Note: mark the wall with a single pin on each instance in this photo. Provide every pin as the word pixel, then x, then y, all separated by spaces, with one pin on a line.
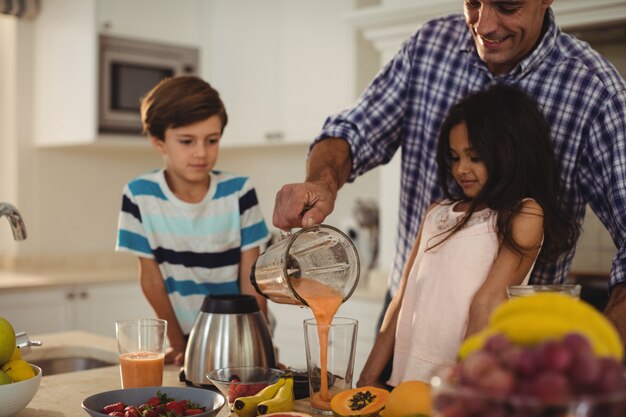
pixel 70 196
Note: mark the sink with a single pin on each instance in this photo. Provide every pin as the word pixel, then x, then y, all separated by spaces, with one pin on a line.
pixel 54 366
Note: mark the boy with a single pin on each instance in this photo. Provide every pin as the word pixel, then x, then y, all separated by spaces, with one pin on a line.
pixel 196 230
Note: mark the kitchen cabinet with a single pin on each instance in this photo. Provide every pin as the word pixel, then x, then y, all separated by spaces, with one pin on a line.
pixel 289 332
pixel 89 307
pixel 281 67
pixel 65 51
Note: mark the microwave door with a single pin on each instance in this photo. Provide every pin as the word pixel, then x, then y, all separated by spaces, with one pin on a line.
pixel 125 79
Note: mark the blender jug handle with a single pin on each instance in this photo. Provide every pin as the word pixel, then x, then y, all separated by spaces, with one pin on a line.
pixel 253 280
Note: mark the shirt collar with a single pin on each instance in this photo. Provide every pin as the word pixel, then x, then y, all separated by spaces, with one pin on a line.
pixel 539 54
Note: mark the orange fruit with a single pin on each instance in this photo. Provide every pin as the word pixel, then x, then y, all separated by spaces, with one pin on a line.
pixel 409 398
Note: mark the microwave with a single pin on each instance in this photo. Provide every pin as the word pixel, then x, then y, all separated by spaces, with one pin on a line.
pixel 128 69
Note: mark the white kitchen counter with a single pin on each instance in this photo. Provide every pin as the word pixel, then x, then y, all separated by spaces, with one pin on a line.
pixel 61 395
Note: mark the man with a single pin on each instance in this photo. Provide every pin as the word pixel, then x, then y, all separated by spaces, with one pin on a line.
pixel 502 41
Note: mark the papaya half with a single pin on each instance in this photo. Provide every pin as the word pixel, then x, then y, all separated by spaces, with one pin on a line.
pixel 359 402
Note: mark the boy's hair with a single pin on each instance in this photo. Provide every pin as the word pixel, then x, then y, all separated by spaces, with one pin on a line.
pixel 179 101
pixel 511 137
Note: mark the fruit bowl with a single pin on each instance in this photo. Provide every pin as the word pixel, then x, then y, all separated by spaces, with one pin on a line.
pixel 243 381
pixel 16 396
pixel 452 400
pixel 212 401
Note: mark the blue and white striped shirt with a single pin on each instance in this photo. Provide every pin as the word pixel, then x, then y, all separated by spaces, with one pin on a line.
pixel 581 95
pixel 197 245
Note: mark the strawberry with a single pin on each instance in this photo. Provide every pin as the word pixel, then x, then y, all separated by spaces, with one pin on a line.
pixel 153 402
pixel 193 411
pixel 108 409
pixel 131 411
pixel 116 414
pixel 176 407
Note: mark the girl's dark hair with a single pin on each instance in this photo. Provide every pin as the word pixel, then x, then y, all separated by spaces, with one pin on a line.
pixel 511 137
pixel 179 101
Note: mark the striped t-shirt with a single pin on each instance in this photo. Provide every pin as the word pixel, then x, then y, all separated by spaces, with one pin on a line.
pixel 196 245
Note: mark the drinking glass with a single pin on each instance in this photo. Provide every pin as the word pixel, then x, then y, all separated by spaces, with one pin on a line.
pixel 522 290
pixel 330 350
pixel 140 344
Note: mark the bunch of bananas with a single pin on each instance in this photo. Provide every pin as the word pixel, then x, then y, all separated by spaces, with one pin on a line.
pixel 531 319
pixel 274 398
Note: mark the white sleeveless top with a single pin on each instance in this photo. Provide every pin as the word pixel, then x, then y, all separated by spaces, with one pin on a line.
pixel 440 287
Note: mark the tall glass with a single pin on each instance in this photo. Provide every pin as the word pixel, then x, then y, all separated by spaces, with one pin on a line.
pixel 140 344
pixel 330 353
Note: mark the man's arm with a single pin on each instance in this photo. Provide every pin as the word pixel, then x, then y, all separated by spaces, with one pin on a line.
pixel 616 308
pixel 328 168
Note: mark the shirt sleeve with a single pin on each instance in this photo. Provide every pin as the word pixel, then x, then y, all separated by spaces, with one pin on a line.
pixel 373 126
pixel 254 231
pixel 603 176
pixel 131 235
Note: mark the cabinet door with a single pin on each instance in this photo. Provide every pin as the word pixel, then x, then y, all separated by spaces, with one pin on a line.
pixel 99 306
pixel 366 311
pixel 289 334
pixel 316 65
pixel 244 47
pixel 38 310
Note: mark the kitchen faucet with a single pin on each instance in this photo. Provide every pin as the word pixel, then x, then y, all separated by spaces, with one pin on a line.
pixel 15 219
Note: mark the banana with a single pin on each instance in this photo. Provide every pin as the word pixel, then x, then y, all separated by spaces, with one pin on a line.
pixel 282 401
pixel 530 320
pixel 246 406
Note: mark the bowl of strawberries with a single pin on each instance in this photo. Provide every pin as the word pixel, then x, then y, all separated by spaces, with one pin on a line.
pixel 154 402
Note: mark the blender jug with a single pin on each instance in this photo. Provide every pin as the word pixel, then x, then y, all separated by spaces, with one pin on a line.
pixel 321 252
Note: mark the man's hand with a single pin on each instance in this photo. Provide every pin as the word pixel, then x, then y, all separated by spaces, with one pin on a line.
pixel 310 202
pixel 302 205
pixel 616 309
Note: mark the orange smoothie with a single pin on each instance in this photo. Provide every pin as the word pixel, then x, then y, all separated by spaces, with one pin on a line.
pixel 141 369
pixel 324 302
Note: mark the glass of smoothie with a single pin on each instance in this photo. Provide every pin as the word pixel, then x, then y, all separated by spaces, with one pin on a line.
pixel 140 344
pixel 330 350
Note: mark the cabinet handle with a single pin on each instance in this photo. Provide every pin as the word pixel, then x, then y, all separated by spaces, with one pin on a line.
pixel 274 136
pixel 84 295
pixel 70 296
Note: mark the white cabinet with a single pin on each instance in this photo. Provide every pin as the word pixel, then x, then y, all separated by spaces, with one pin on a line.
pixel 176 22
pixel 289 331
pixel 65 50
pixel 89 307
pixel 281 67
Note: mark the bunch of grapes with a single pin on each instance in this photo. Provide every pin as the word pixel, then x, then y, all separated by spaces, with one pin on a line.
pixel 549 379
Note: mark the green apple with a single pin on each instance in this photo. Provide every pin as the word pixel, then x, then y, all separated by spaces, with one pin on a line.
pixel 7 340
pixel 4 379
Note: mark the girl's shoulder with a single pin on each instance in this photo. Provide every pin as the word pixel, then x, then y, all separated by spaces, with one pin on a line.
pixel 530 207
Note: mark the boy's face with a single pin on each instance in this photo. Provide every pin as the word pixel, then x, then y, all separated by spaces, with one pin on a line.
pixel 190 152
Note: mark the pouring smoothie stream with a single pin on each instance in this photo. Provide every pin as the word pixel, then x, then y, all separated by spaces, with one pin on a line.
pixel 324 302
pixel 318 267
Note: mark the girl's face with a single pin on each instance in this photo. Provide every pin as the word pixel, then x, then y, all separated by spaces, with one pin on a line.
pixel 467 169
pixel 190 153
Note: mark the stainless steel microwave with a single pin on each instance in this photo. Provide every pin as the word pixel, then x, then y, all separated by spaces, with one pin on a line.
pixel 128 69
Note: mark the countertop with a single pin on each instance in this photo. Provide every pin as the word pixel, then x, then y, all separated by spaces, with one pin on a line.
pixel 371 286
pixel 61 395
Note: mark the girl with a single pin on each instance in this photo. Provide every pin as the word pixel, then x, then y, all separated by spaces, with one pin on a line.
pixel 501 183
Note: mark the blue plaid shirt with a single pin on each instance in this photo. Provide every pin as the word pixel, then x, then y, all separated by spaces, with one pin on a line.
pixel 582 96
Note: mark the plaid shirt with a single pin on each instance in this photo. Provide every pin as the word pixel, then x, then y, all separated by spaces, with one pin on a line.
pixel 582 96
